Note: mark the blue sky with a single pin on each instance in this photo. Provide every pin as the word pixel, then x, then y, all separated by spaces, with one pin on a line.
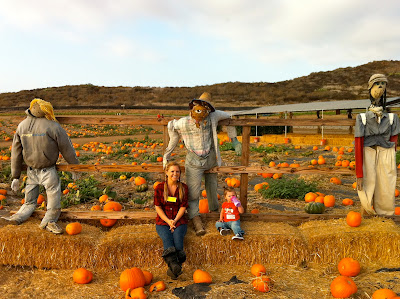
pixel 187 43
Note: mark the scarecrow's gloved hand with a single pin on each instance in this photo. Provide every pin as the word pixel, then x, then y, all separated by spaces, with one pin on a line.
pixel 76 176
pixel 164 163
pixel 236 201
pixel 237 146
pixel 15 185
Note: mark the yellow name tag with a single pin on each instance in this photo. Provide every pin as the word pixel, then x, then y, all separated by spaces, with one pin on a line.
pixel 171 199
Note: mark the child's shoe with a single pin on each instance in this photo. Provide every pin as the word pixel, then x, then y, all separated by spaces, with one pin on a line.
pixel 238 237
pixel 224 231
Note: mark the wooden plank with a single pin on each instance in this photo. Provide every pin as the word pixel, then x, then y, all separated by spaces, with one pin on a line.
pixel 139 215
pixel 147 121
pixel 221 169
pixel 244 177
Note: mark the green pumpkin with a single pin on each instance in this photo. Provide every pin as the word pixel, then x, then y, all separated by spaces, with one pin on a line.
pixel 314 208
pixel 142 188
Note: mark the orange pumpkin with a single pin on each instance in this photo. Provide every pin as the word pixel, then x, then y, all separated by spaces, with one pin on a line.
pixel 349 267
pixel 310 196
pixel 156 184
pixel 95 208
pixel 255 211
pixel 131 278
pixel 103 198
pixel 73 228
pixel 258 270
pixel 329 201
pixel 397 210
pixel 235 183
pixel 82 276
pixel 157 287
pixel 204 193
pixel 112 206
pixel 148 277
pixel 336 181
pixel 272 164
pixel 396 193
pixel 140 181
pixel 267 175
pixel 347 202
pixel 353 219
pixel 40 199
pixel 343 287
pixel 200 276
pixel 137 293
pixel 320 199
pixel 3 192
pixel 383 294
pixel 203 206
pixel 108 222
pixel 262 284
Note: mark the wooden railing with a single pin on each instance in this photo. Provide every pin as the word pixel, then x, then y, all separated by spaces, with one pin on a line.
pixel 244 169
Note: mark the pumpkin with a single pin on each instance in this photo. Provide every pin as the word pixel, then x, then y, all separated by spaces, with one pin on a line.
pixel 353 219
pixel 103 198
pixel 262 284
pixel 148 276
pixel 349 267
pixel 112 206
pixel 158 286
pixel 347 202
pixel 329 201
pixel 73 228
pixel 137 293
pixel 234 183
pixel 310 196
pixel 397 210
pixel 383 294
pixel 95 208
pixel 142 188
pixel 320 199
pixel 156 184
pixel 336 181
pixel 204 193
pixel 140 181
pixel 82 276
pixel 40 199
pixel 108 222
pixel 343 287
pixel 267 175
pixel 255 211
pixel 3 191
pixel 200 276
pixel 131 278
pixel 258 270
pixel 314 208
pixel 203 206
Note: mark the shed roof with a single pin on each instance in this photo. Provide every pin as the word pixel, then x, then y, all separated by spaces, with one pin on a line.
pixel 315 106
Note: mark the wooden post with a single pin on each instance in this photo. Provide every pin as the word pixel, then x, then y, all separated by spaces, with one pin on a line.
pixel 244 177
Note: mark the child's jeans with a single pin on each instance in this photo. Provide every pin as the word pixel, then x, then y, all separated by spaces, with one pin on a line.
pixel 233 225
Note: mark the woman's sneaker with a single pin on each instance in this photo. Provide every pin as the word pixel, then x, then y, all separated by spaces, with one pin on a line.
pixel 224 231
pixel 238 237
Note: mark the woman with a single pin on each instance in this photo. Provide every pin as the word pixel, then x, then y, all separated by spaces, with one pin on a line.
pixel 171 201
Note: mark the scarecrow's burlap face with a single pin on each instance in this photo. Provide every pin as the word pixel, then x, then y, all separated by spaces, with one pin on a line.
pixel 378 89
pixel 199 113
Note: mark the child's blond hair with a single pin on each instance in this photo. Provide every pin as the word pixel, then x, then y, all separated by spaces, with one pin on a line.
pixel 229 189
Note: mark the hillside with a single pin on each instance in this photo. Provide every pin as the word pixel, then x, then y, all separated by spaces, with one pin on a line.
pixel 340 84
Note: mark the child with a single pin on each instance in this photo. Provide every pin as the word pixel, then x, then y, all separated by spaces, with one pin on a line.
pixel 229 218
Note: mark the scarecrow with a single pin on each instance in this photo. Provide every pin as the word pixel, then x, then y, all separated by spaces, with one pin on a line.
pixel 38 141
pixel 376 135
pixel 199 134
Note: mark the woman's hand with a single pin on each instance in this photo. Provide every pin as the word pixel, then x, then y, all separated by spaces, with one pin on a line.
pixel 171 224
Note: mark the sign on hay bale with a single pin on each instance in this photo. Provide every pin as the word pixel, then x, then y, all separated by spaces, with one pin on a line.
pixel 28 245
pixel 375 242
pixel 267 243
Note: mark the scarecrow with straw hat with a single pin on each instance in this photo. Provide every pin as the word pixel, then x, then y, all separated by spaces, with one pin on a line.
pixel 199 133
pixel 38 141
pixel 376 135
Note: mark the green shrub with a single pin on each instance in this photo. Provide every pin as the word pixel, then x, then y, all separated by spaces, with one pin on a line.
pixel 288 188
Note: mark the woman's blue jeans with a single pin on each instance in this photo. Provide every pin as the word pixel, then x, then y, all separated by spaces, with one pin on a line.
pixel 170 239
pixel 233 225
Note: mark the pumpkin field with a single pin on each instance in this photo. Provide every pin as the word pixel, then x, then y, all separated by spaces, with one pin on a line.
pixel 320 246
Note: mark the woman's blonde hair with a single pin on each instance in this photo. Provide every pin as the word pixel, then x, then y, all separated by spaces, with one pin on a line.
pixel 180 185
pixel 46 107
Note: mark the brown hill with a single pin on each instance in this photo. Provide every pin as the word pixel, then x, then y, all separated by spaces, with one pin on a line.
pixel 340 84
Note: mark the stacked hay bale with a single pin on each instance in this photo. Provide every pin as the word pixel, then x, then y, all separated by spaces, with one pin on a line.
pixel 266 243
pixel 129 246
pixel 375 242
pixel 28 245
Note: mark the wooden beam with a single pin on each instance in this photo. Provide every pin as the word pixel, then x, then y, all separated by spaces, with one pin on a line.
pixel 151 215
pixel 244 177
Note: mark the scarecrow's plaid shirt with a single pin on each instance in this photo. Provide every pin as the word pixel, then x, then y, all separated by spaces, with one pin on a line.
pixel 170 208
pixel 197 140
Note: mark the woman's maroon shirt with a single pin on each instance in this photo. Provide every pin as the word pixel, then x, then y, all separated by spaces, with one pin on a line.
pixel 170 208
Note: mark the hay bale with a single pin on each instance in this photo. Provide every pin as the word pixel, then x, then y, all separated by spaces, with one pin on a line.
pixel 129 246
pixel 266 243
pixel 375 242
pixel 28 245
